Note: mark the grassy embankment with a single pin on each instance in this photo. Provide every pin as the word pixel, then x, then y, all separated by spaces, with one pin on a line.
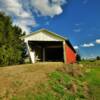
pixel 93 78
pixel 51 81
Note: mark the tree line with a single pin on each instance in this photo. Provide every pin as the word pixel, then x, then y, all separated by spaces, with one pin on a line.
pixel 11 46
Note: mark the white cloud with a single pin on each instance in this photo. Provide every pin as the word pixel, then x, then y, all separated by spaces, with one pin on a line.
pixel 13 7
pixel 47 8
pixel 85 2
pixel 77 24
pixel 76 47
pixel 77 30
pixel 98 41
pixel 25 24
pixel 22 10
pixel 22 18
pixel 88 45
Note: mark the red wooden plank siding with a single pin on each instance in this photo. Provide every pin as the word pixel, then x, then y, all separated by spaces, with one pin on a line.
pixel 70 55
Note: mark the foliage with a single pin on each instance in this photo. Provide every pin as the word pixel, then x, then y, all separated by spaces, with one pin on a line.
pixel 97 58
pixel 11 47
pixel 78 57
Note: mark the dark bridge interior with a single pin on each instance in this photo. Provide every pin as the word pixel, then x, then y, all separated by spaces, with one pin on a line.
pixel 48 50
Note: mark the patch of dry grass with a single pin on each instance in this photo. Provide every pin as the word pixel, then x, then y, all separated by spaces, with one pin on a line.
pixel 16 79
pixel 50 81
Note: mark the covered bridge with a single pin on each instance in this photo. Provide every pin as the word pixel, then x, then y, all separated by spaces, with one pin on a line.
pixel 46 46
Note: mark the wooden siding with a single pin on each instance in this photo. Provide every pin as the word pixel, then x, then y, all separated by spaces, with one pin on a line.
pixel 42 36
pixel 70 55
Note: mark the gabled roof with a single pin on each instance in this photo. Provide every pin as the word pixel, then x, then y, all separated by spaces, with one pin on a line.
pixel 46 31
pixel 52 33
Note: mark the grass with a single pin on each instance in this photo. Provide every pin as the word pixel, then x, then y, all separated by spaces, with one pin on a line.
pixel 93 78
pixel 51 81
pixel 22 82
pixel 67 87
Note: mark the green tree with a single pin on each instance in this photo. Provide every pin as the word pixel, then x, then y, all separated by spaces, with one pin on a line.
pixel 11 46
pixel 97 58
pixel 78 57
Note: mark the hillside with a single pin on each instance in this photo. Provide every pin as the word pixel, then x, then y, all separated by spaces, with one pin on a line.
pixel 16 79
pixel 50 81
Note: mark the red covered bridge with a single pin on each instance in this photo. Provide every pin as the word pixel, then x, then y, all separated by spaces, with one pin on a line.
pixel 47 46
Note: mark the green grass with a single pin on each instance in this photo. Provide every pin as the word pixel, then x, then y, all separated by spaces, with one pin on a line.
pixel 93 78
pixel 45 96
pixel 60 83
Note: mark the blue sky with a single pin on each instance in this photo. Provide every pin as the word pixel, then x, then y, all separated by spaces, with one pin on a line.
pixel 78 20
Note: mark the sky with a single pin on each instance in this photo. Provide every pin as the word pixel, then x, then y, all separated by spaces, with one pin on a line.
pixel 77 20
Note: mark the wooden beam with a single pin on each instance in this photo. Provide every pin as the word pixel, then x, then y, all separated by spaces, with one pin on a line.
pixel 31 53
pixel 43 54
pixel 53 46
pixel 28 49
pixel 64 52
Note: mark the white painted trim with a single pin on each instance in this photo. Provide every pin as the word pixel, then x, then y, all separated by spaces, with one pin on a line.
pixel 64 51
pixel 31 53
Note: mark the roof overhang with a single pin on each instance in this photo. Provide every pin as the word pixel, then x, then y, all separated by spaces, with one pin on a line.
pixel 46 31
pixel 51 33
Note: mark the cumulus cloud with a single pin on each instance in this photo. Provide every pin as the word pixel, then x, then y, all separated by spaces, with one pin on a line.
pixel 87 45
pixel 76 47
pixel 48 7
pixel 22 10
pixel 25 24
pixel 21 17
pixel 98 41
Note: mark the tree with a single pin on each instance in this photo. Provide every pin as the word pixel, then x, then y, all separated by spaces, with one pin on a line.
pixel 97 58
pixel 78 57
pixel 11 46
